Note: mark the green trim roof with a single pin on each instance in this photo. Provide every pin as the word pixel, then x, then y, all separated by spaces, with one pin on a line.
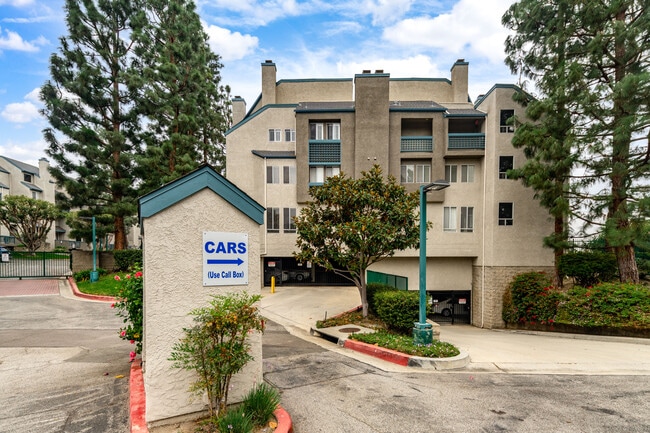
pixel 257 113
pixel 201 178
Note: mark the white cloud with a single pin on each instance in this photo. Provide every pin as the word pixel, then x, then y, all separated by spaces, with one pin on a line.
pixel 254 12
pixel 230 45
pixel 34 96
pixel 13 41
pixel 342 27
pixel 415 66
pixel 385 11
pixel 470 28
pixel 16 3
pixel 20 112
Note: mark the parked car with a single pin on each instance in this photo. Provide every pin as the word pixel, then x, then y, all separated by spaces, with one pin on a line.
pixel 5 254
pixel 445 306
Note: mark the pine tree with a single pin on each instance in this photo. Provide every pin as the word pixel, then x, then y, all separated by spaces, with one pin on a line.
pixel 603 83
pixel 90 112
pixel 177 82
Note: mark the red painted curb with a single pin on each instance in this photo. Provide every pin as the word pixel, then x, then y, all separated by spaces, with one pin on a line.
pixel 378 352
pixel 137 402
pixel 137 399
pixel 284 421
pixel 77 293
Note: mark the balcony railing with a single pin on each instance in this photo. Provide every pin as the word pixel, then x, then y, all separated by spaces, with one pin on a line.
pixel 416 144
pixel 466 141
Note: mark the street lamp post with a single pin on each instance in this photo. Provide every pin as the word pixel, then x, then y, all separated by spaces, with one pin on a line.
pixel 423 331
pixel 94 274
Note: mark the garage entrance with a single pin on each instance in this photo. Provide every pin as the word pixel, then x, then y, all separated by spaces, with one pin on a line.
pixel 450 307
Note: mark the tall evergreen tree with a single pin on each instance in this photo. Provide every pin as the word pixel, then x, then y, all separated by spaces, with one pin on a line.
pixel 178 92
pixel 603 82
pixel 90 112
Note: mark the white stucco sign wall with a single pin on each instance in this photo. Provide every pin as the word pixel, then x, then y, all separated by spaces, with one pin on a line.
pixel 225 259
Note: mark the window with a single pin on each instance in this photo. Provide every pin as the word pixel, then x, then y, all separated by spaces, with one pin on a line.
pixel 275 135
pixel 27 177
pixel 273 220
pixel 272 174
pixel 289 174
pixel 35 195
pixel 289 135
pixel 505 214
pixel 415 173
pixel 505 124
pixel 325 131
pixel 318 174
pixel 451 173
pixel 449 219
pixel 505 163
pixel 466 219
pixel 467 173
pixel 289 215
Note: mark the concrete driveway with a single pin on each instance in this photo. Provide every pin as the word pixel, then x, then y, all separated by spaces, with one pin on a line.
pixel 63 367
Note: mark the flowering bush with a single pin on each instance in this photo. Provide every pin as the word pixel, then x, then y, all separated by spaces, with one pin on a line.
pixel 129 307
pixel 530 298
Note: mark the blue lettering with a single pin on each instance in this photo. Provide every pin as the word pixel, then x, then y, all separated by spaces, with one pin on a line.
pixel 238 274
pixel 209 247
pixel 232 248
pixel 221 248
pixel 241 247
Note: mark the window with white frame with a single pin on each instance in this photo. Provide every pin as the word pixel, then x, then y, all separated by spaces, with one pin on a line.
pixel 505 214
pixel 272 174
pixel 505 124
pixel 505 163
pixel 273 219
pixel 449 219
pixel 289 223
pixel 451 173
pixel 325 131
pixel 467 173
pixel 289 174
pixel 412 172
pixel 275 135
pixel 318 173
pixel 289 135
pixel 466 219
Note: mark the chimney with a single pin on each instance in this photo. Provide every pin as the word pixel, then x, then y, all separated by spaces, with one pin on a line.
pixel 268 82
pixel 459 81
pixel 238 109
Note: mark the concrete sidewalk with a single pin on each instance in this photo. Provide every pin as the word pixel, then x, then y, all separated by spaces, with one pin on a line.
pixel 504 351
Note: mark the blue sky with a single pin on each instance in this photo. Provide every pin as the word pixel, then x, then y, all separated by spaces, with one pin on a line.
pixel 306 39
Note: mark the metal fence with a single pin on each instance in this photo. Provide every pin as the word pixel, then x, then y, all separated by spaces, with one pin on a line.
pixel 451 307
pixel 19 264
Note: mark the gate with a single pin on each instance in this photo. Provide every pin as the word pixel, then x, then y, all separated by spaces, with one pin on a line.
pixel 20 264
pixel 451 307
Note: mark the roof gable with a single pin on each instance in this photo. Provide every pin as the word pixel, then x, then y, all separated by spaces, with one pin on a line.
pixel 201 178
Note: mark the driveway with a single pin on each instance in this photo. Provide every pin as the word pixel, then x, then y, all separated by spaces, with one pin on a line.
pixel 63 367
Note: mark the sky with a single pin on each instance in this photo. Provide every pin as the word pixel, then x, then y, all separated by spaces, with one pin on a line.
pixel 304 38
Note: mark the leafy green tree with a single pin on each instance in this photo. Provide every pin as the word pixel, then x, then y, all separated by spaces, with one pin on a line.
pixel 176 80
pixel 604 76
pixel 80 224
pixel 90 112
pixel 352 223
pixel 28 220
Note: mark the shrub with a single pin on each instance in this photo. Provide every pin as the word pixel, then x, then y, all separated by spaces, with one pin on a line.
pixel 611 305
pixel 588 268
pixel 260 403
pixel 235 421
pixel 129 307
pixel 85 274
pixel 399 309
pixel 60 249
pixel 216 347
pixel 371 290
pixel 530 298
pixel 126 260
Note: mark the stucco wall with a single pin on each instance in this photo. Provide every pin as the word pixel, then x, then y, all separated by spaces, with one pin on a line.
pixel 173 286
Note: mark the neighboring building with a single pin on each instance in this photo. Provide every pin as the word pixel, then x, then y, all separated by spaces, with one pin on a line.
pixel 486 228
pixel 19 178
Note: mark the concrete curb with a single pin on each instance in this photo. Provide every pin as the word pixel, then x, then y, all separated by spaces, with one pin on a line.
pixel 451 363
pixel 77 293
pixel 137 400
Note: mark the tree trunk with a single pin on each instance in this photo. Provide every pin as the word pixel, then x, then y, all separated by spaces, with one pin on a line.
pixel 364 294
pixel 120 234
pixel 627 268
pixel 558 251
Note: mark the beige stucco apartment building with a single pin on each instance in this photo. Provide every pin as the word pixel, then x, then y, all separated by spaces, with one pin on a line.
pixel 485 227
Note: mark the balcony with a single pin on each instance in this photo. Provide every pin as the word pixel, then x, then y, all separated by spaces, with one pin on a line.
pixel 469 141
pixel 416 144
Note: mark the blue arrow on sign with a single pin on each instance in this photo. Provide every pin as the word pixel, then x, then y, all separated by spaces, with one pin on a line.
pixel 236 261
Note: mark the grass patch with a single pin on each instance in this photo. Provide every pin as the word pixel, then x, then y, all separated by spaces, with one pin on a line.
pixel 104 286
pixel 404 344
pixel 387 339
